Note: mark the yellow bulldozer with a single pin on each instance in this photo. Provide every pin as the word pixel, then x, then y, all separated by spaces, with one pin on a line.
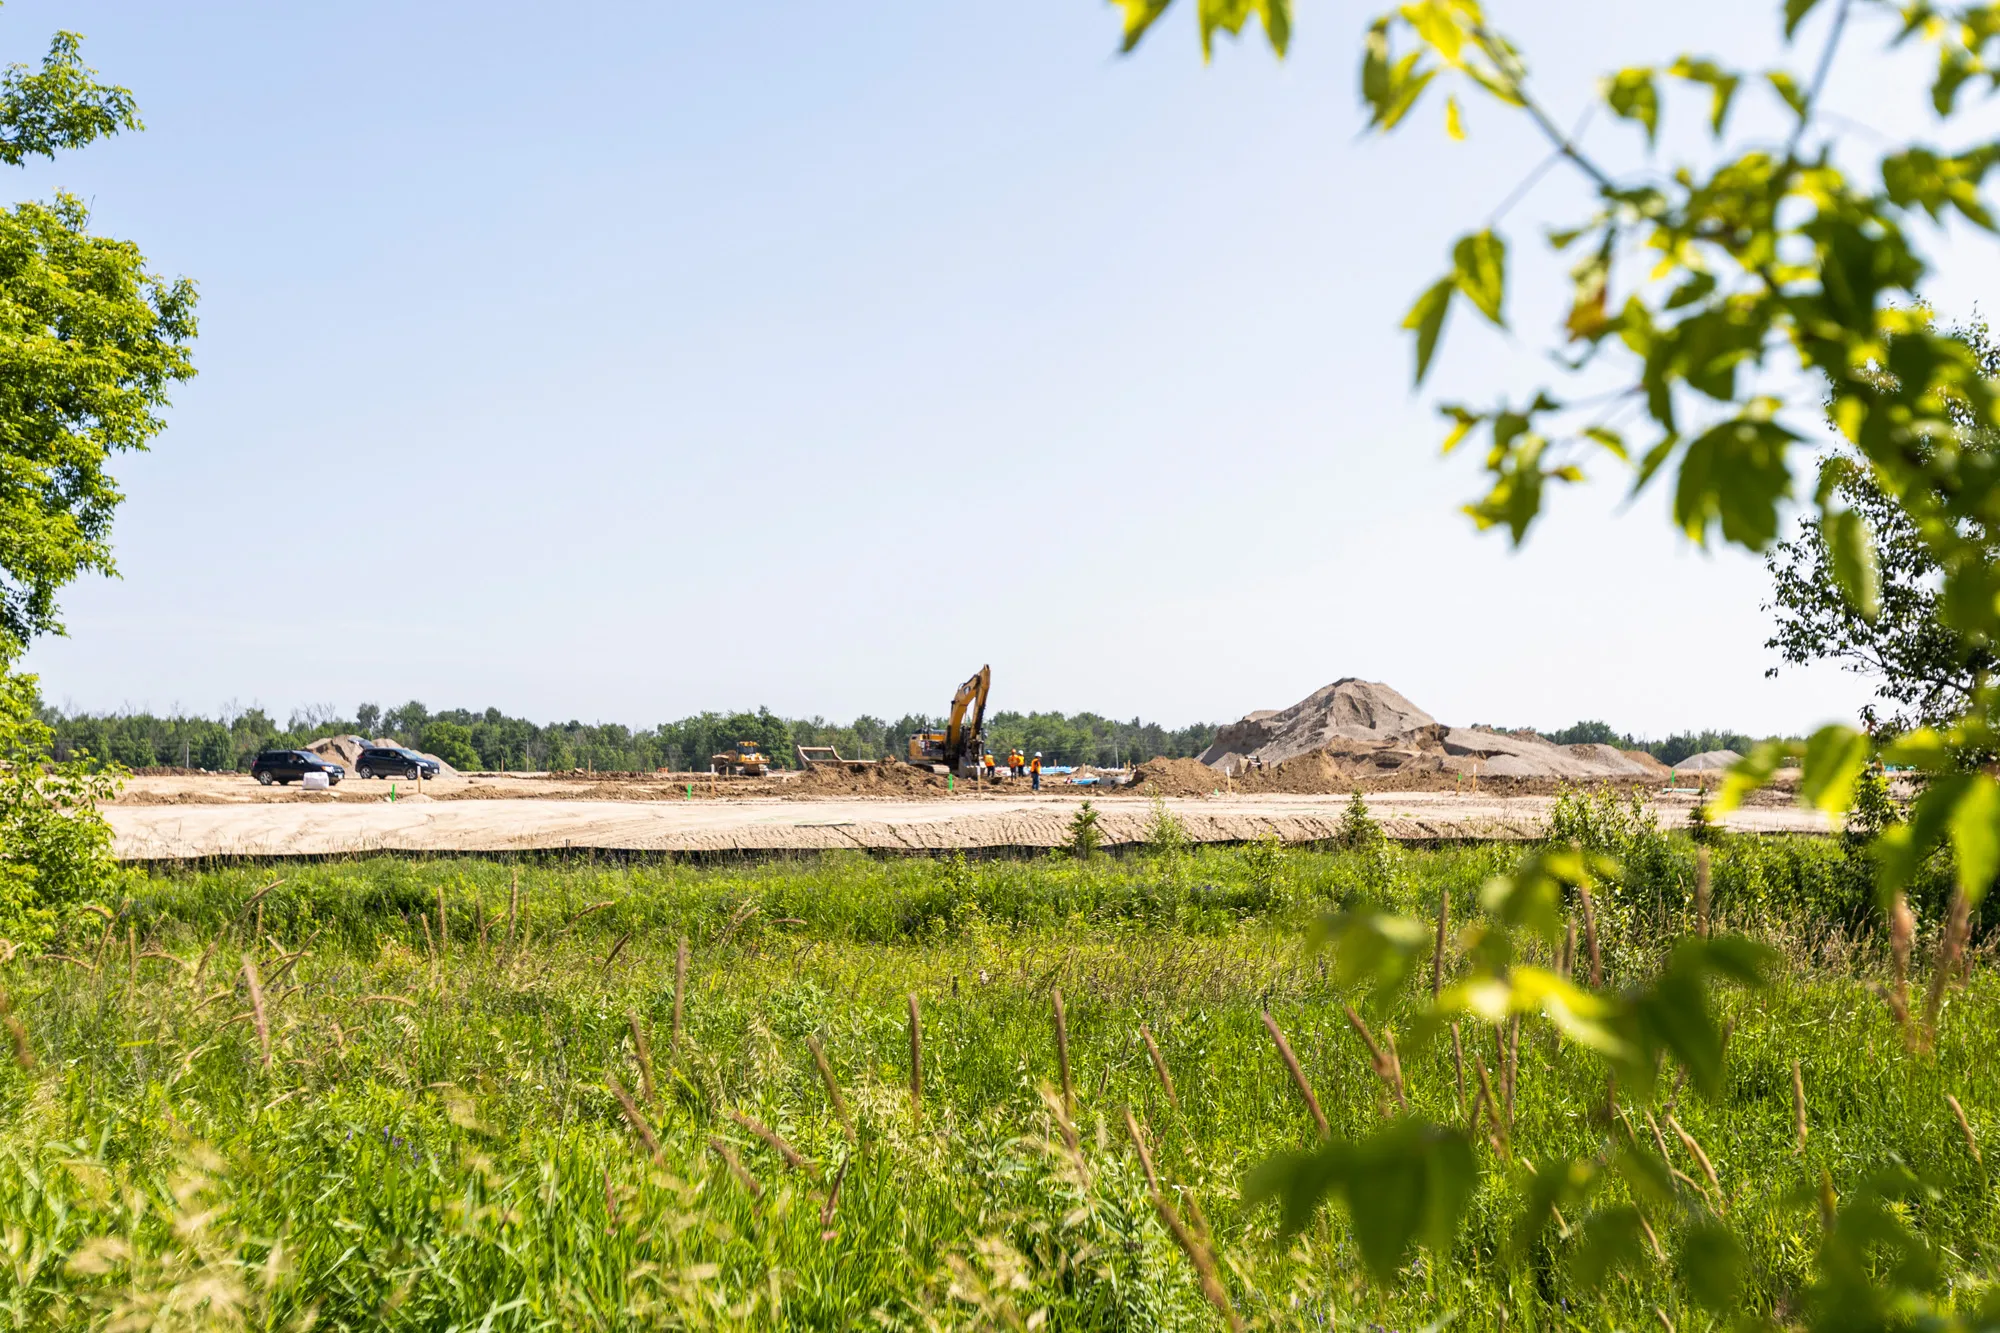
pixel 957 748
pixel 746 760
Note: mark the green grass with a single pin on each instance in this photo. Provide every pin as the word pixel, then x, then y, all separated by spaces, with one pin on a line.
pixel 452 1157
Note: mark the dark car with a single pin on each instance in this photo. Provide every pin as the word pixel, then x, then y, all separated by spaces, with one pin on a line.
pixel 393 761
pixel 292 765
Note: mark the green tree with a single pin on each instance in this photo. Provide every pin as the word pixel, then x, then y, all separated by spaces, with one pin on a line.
pixel 91 343
pixel 451 742
pixel 1923 666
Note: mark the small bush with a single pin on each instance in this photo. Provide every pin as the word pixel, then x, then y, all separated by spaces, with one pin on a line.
pixel 1358 830
pixel 1084 836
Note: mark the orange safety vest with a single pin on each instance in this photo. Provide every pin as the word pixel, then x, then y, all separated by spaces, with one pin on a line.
pixel 1035 764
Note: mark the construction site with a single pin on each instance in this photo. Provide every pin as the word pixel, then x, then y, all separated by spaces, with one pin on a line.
pixel 1287 773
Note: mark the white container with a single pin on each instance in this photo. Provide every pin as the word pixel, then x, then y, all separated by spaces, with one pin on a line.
pixel 315 782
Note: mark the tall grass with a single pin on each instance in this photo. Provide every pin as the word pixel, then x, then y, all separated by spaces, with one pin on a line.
pixel 507 1097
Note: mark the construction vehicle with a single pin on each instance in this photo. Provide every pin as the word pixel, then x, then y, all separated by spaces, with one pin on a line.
pixel 956 749
pixel 746 760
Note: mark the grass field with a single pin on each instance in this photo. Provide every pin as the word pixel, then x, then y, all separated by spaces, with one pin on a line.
pixel 433 1140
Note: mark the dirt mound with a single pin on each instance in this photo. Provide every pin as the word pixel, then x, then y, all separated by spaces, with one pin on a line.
pixel 885 779
pixel 1707 761
pixel 1349 709
pixel 342 750
pixel 1161 776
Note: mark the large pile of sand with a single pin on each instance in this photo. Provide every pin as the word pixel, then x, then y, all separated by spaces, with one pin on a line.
pixel 1707 761
pixel 888 778
pixel 1347 710
pixel 1357 729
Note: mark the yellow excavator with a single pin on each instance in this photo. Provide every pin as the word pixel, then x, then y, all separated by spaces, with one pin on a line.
pixel 957 748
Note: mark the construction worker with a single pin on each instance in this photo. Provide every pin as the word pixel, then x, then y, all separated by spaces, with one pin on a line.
pixel 987 764
pixel 1035 770
pixel 1015 761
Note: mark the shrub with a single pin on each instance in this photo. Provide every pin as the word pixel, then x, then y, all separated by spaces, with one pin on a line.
pixel 1358 830
pixel 55 849
pixel 1084 836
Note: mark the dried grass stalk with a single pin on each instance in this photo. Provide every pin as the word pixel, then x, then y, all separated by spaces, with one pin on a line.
pixel 1062 1051
pixel 633 1117
pixel 24 1055
pixel 777 1143
pixel 1298 1075
pixel 1160 1067
pixel 1387 1067
pixel 1701 899
pixel 256 990
pixel 1965 1127
pixel 1798 1108
pixel 916 1060
pixel 832 1092
pixel 1205 1267
pixel 616 949
pixel 644 1050
pixel 1590 936
pixel 1701 1158
pixel 1950 947
pixel 680 992
pixel 1437 953
pixel 736 1168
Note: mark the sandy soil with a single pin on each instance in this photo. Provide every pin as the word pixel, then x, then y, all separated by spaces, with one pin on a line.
pixel 180 817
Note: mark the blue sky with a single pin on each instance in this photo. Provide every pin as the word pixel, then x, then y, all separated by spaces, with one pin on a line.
pixel 620 361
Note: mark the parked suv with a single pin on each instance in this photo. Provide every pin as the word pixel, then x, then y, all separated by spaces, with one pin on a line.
pixel 292 765
pixel 393 761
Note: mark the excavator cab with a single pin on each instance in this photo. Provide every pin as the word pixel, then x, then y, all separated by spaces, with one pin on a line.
pixel 957 749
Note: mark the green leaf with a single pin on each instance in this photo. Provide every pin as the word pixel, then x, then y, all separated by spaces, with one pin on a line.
pixel 1975 836
pixel 1610 1242
pixel 1712 1263
pixel 1378 949
pixel 1835 758
pixel 1924 748
pixel 1852 549
pixel 1426 319
pixel 1139 17
pixel 1795 14
pixel 1632 94
pixel 1454 120
pixel 1230 15
pixel 1788 88
pixel 1746 775
pixel 1719 81
pixel 1479 266
pixel 1735 473
pixel 1406 1185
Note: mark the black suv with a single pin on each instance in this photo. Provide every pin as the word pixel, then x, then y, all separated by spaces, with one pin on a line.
pixel 394 762
pixel 291 765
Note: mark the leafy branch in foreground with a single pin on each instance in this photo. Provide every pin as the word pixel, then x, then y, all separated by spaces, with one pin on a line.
pixel 1716 310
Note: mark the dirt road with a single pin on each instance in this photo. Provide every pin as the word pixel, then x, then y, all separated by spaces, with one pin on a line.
pixel 298 824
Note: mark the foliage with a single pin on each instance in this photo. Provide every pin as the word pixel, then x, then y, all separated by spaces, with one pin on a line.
pixel 142 740
pixel 1923 666
pixel 92 340
pixel 1084 837
pixel 55 848
pixel 1703 294
pixel 452 743
pixel 1669 751
pixel 1359 831
pixel 434 1141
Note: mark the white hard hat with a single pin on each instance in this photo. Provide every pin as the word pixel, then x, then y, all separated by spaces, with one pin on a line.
pixel 1038 754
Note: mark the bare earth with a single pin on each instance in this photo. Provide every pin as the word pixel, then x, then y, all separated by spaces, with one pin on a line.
pixel 169 818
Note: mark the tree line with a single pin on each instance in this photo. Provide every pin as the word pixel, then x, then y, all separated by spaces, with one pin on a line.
pixel 491 740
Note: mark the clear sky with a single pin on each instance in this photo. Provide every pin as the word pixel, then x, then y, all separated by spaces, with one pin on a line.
pixel 620 361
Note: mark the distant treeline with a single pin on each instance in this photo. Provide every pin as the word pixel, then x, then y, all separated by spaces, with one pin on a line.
pixel 491 740
pixel 1669 751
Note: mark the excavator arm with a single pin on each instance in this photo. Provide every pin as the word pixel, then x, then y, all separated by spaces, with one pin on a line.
pixel 970 695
